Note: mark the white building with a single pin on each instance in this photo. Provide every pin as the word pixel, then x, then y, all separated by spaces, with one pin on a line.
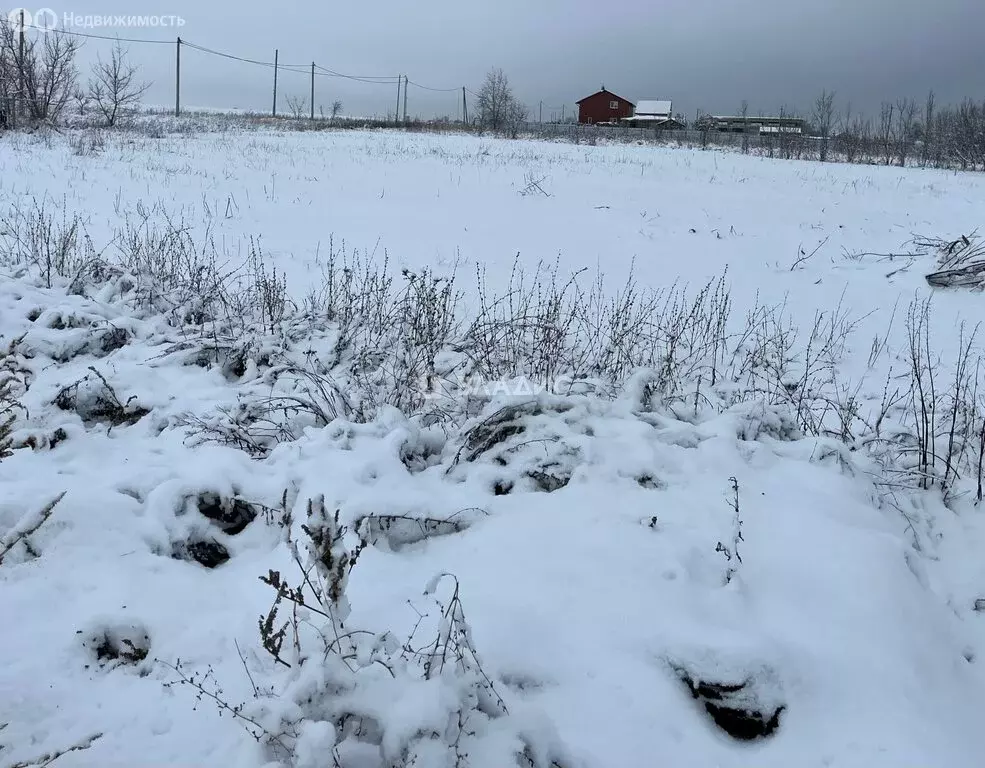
pixel 652 113
pixel 654 110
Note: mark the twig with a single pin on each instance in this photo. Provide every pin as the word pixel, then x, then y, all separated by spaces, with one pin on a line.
pixel 47 759
pixel 805 257
pixel 242 658
pixel 225 706
pixel 28 525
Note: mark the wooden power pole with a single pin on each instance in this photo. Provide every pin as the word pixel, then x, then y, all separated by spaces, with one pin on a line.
pixel 177 79
pixel 396 115
pixel 406 88
pixel 276 60
pixel 312 90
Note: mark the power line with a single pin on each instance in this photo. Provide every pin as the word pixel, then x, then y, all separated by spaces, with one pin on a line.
pixel 380 78
pixel 437 90
pixel 100 37
pixel 371 79
pixel 303 69
pixel 227 55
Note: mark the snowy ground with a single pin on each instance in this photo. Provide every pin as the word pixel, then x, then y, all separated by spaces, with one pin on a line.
pixel 585 530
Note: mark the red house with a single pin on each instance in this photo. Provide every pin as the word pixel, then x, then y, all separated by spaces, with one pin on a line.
pixel 603 107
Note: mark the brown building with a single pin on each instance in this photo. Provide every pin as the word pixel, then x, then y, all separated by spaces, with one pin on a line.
pixel 604 107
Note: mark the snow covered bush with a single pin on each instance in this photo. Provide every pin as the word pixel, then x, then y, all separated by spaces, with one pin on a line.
pixel 343 696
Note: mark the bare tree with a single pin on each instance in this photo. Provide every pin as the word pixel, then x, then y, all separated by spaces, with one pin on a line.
pixel 297 107
pixel 113 86
pixel 496 106
pixel 959 135
pixel 847 140
pixel 81 99
pixel 336 108
pixel 516 116
pixel 40 75
pixel 744 113
pixel 906 117
pixel 788 141
pixel 6 87
pixel 854 136
pixel 703 124
pixel 823 120
pixel 885 135
pixel 928 129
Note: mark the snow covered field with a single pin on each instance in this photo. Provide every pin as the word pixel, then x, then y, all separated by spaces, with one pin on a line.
pixel 698 481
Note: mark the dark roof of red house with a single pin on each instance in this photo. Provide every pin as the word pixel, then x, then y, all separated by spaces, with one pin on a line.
pixel 606 90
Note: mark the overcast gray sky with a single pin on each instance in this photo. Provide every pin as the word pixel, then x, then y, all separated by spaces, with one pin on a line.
pixel 708 54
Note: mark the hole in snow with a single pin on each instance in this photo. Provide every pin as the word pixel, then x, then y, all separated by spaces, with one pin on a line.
pixel 126 644
pixel 548 482
pixel 210 554
pixel 231 515
pixel 742 710
pixel 502 487
pixel 648 481
pixel 109 341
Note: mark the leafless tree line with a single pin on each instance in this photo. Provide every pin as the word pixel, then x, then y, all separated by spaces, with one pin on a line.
pixel 39 79
pixel 908 133
pixel 37 73
pixel 903 133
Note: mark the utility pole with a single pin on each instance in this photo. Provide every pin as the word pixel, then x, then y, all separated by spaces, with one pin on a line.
pixel 177 79
pixel 396 115
pixel 541 118
pixel 465 108
pixel 563 106
pixel 276 61
pixel 312 90
pixel 406 88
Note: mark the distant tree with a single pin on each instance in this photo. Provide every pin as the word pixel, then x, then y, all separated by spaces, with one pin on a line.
pixel 789 143
pixel 704 124
pixel 113 87
pixel 906 118
pixel 853 135
pixel 928 130
pixel 336 108
pixel 744 114
pixel 81 99
pixel 516 116
pixel 823 120
pixel 496 107
pixel 885 136
pixel 297 107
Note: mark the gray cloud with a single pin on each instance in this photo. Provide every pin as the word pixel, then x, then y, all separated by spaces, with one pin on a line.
pixel 708 54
